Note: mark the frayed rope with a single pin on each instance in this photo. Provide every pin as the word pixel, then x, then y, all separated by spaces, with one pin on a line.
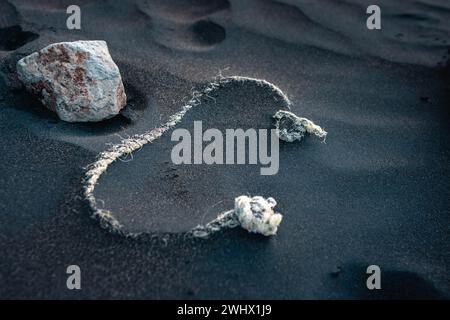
pixel 229 219
pixel 290 127
pixel 256 215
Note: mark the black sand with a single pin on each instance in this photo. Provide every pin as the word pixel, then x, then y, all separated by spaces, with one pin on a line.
pixel 376 193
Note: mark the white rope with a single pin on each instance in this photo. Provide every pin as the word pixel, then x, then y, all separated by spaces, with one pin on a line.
pixel 290 127
pixel 127 146
pixel 253 214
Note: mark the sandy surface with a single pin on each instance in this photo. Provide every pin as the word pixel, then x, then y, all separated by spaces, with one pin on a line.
pixel 376 193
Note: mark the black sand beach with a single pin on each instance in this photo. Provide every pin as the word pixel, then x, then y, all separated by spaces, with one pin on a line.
pixel 377 192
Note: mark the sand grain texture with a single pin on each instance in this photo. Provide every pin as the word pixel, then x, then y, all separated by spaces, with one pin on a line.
pixel 376 193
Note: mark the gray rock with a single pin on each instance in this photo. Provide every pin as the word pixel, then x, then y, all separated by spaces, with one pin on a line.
pixel 78 80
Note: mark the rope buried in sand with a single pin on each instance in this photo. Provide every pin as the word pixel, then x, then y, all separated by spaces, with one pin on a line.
pixel 227 219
